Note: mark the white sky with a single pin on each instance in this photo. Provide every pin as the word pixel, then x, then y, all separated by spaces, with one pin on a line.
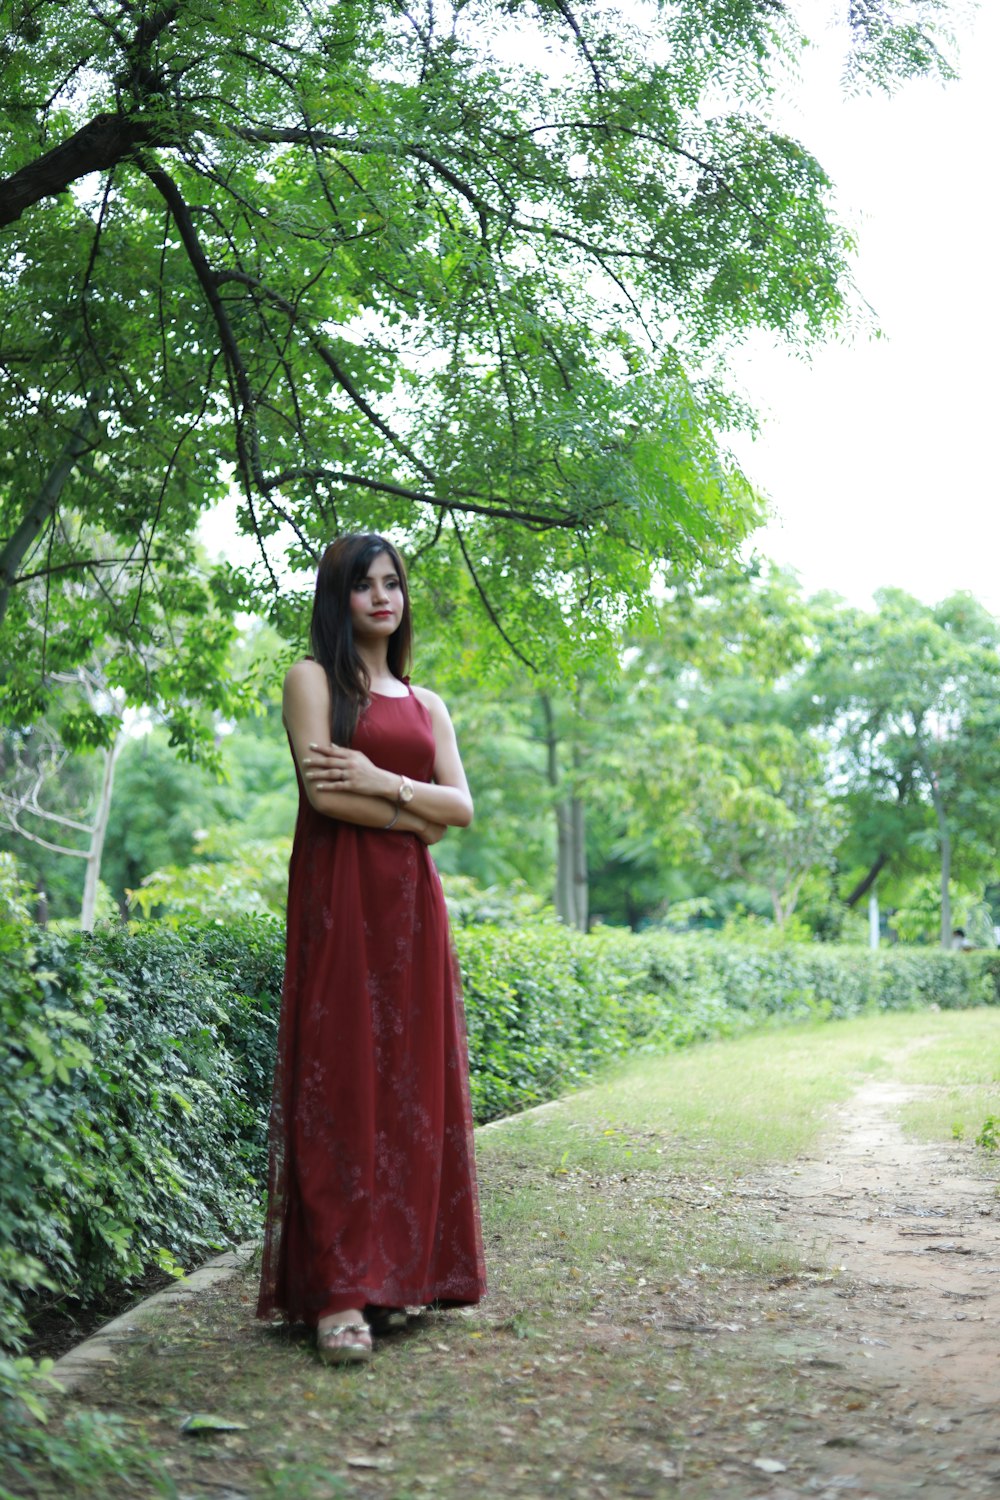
pixel 879 458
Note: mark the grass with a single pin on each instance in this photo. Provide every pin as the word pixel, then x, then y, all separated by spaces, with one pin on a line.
pixel 722 1107
pixel 956 1076
pixel 632 1254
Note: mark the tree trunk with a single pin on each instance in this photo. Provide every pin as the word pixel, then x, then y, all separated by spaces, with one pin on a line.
pixel 581 893
pixel 571 849
pixel 564 864
pixel 944 839
pixel 92 869
pixel 945 882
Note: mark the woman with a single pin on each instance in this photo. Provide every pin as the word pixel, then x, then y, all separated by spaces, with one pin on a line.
pixel 372 1191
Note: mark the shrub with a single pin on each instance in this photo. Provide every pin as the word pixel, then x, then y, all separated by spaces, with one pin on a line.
pixel 131 1109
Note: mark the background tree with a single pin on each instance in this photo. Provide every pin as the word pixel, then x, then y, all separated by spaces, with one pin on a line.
pixel 913 696
pixel 31 764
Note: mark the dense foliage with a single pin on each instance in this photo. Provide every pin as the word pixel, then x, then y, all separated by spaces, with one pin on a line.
pixel 465 270
pixel 757 747
pixel 135 1066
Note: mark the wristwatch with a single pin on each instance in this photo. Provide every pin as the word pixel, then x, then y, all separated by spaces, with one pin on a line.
pixel 405 793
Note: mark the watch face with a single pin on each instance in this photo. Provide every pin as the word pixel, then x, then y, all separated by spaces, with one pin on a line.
pixel 405 790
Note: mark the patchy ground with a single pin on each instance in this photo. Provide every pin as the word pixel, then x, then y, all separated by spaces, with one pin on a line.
pixel 826 1329
pixel 915 1321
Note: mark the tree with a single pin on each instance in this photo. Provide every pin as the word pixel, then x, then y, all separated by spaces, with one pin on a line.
pixel 765 814
pixel 379 269
pixel 674 760
pixel 913 696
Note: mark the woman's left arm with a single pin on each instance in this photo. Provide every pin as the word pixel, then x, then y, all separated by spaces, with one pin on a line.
pixel 445 800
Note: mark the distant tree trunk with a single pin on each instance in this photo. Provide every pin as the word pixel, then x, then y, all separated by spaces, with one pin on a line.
pixel 571 846
pixel 13 809
pixel 577 855
pixel 95 852
pixel 945 882
pixel 944 842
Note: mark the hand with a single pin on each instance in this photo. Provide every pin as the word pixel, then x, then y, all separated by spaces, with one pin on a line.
pixel 332 768
pixel 432 833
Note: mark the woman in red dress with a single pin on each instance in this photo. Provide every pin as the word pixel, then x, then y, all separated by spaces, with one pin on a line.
pixel 372 1202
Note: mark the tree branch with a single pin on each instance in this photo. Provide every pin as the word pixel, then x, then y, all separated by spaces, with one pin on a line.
pixel 36 838
pixel 249 458
pixel 103 142
pixel 865 884
pixel 486 603
pixel 501 510
pixel 252 283
pixel 80 441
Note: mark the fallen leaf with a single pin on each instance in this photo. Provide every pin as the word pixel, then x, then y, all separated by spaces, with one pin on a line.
pixel 769 1466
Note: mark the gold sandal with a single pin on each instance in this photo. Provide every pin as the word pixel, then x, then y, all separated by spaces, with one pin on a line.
pixel 344 1344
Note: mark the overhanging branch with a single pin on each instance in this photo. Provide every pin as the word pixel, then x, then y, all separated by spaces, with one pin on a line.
pixel 100 144
pixel 80 441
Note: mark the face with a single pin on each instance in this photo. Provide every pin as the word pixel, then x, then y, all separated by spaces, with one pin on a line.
pixel 377 600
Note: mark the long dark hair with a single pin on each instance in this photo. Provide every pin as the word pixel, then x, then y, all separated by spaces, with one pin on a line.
pixel 344 564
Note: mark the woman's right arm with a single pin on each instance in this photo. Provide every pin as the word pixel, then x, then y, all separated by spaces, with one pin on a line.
pixel 305 707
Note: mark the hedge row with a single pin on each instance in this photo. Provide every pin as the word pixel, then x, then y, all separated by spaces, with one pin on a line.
pixel 547 1006
pixel 135 1066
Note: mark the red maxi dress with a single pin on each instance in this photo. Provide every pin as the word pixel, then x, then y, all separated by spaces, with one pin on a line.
pixel 371 1186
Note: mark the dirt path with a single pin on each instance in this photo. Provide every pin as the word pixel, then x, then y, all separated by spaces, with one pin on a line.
pixel 912 1323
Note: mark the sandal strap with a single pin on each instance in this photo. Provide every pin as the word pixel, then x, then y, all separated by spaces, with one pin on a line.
pixel 336 1330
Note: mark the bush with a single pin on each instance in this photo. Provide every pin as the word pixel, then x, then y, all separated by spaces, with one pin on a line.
pixel 133 1086
pixel 135 1066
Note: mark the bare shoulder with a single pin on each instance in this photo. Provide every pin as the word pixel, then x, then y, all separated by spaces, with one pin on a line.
pixel 305 681
pixel 434 705
pixel 304 674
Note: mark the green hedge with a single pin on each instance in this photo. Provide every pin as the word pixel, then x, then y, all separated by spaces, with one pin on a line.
pixel 546 1006
pixel 132 1081
pixel 135 1066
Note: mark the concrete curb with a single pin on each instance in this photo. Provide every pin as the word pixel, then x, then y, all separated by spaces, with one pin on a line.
pixel 97 1354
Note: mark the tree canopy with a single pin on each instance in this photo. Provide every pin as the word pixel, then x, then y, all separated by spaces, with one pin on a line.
pixel 460 271
pixel 914 695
